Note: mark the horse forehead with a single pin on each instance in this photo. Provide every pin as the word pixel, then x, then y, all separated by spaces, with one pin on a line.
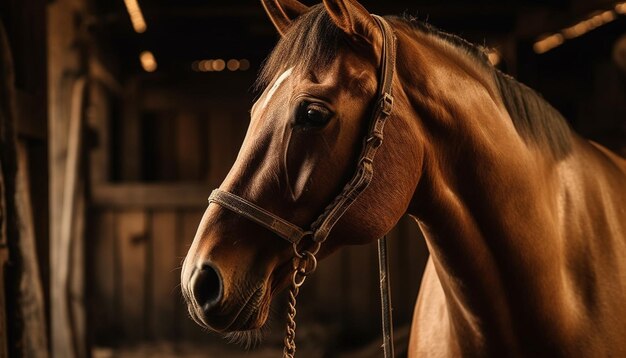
pixel 275 86
pixel 346 65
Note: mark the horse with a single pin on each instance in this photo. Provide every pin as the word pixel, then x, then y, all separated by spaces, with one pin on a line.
pixel 524 220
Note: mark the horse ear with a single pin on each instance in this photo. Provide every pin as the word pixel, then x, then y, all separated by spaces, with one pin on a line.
pixel 283 12
pixel 353 19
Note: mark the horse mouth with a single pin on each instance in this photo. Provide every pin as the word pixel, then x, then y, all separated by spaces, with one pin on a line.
pixel 252 310
pixel 248 313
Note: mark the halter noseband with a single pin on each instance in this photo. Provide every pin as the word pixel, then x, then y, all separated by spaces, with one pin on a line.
pixel 304 262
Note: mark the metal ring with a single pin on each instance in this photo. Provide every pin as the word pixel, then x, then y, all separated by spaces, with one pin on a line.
pixel 313 249
pixel 306 264
pixel 294 279
pixel 309 259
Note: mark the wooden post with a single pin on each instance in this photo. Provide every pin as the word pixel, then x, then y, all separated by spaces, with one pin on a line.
pixel 67 340
pixel 67 94
pixel 23 326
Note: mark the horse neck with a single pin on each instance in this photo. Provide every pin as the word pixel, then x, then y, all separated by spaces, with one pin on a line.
pixel 483 198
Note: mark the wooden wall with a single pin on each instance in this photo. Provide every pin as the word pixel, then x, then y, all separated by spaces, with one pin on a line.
pixel 143 219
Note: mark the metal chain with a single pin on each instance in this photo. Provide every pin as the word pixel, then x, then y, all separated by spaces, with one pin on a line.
pixel 303 265
pixel 289 350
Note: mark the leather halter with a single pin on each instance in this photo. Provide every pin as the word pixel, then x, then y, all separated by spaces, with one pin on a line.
pixel 321 227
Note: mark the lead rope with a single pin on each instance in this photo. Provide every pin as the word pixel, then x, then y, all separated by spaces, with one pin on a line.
pixel 385 298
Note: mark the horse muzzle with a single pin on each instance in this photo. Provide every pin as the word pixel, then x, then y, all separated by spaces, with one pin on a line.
pixel 211 308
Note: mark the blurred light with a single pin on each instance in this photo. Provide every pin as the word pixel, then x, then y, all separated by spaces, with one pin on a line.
pixel 148 62
pixel 136 17
pixel 494 56
pixel 621 8
pixel 195 66
pixel 592 22
pixel 206 65
pixel 244 64
pixel 608 16
pixel 232 65
pixel 548 43
pixel 219 65
pixel 574 31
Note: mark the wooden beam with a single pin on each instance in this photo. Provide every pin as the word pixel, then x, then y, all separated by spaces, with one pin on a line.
pixel 166 196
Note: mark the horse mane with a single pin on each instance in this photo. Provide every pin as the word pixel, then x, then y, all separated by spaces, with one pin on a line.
pixel 533 117
pixel 314 40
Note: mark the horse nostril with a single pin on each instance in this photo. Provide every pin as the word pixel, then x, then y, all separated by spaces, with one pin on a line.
pixel 207 287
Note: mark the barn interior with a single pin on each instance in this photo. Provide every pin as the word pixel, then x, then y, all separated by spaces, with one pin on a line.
pixel 118 118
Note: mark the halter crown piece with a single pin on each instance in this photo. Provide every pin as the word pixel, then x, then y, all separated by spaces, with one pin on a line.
pixel 304 261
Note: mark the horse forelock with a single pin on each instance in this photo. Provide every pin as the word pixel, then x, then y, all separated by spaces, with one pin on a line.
pixel 313 41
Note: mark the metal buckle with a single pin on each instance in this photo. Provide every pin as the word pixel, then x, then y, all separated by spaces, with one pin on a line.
pixel 365 161
pixel 376 139
pixel 386 104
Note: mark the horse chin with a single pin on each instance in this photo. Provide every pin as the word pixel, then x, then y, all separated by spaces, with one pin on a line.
pixel 250 327
pixel 247 339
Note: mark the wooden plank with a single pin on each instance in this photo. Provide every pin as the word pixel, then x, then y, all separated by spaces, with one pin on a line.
pixel 152 196
pixel 132 236
pixel 189 149
pixel 164 276
pixel 104 295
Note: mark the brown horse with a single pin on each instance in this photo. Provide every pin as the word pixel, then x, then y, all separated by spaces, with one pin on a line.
pixel 525 221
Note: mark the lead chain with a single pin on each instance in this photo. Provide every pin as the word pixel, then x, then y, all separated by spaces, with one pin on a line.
pixel 303 265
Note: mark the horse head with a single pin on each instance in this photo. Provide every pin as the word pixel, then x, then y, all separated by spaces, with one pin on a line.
pixel 301 148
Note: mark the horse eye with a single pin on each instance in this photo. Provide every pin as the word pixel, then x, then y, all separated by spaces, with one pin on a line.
pixel 313 115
